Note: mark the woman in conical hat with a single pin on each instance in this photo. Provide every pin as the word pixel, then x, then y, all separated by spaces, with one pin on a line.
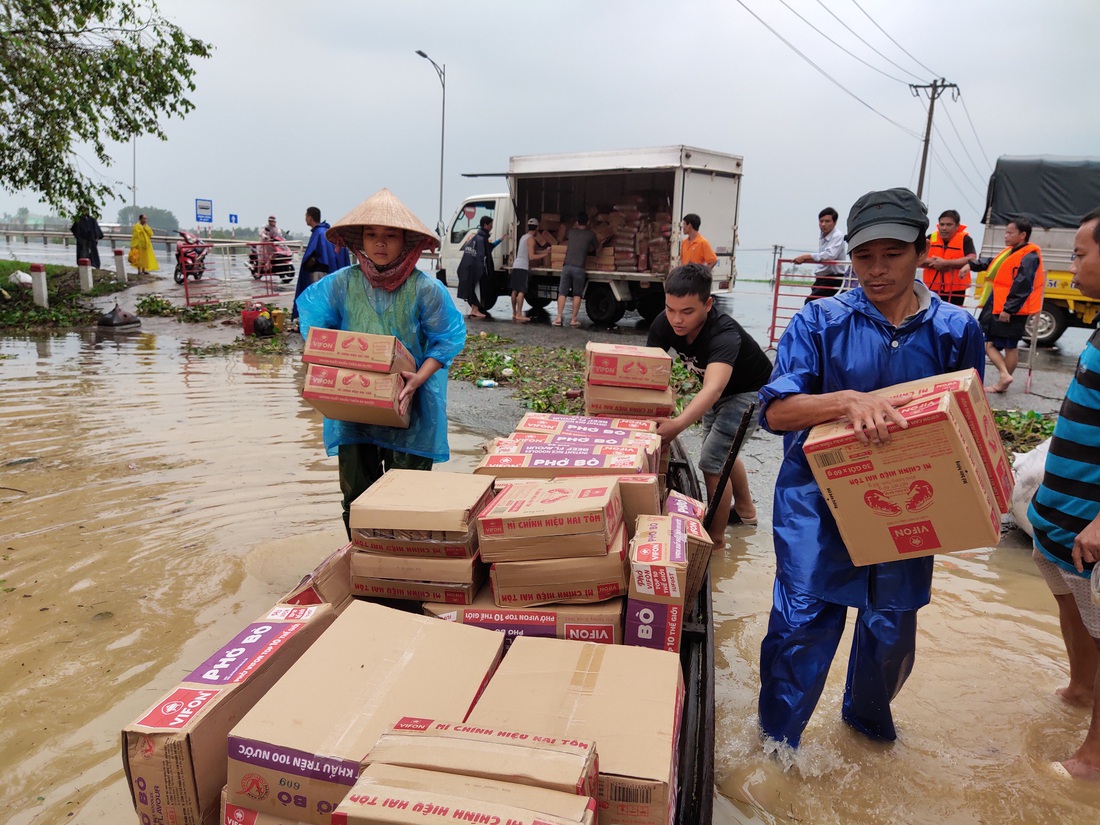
pixel 385 294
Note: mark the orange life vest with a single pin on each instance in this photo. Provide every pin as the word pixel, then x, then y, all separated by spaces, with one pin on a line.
pixel 951 280
pixel 1002 272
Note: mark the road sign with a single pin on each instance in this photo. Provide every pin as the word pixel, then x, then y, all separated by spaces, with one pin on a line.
pixel 232 218
pixel 204 210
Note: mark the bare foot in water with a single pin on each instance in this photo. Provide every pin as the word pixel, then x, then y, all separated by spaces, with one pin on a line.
pixel 1080 769
pixel 1003 384
pixel 1079 697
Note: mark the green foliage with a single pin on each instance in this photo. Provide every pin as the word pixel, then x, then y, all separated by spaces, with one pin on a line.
pixel 67 303
pixel 277 344
pixel 76 72
pixel 162 220
pixel 154 305
pixel 1024 430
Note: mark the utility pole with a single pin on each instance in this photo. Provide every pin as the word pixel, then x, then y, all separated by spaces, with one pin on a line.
pixel 935 89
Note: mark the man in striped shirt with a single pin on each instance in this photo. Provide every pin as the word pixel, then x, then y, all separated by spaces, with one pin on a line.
pixel 1065 514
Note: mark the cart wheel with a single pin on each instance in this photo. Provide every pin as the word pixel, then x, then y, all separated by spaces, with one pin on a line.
pixel 681 472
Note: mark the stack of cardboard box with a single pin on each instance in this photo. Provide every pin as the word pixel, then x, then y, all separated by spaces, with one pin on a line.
pixel 627 381
pixel 355 376
pixel 557 541
pixel 938 486
pixel 415 536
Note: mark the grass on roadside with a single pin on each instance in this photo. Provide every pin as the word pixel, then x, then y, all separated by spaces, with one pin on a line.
pixel 67 304
pixel 546 379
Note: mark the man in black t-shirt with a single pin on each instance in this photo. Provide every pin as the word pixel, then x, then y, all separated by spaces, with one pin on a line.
pixel 732 368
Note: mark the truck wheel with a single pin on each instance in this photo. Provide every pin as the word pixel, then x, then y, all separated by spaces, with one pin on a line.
pixel 602 307
pixel 651 302
pixel 1048 324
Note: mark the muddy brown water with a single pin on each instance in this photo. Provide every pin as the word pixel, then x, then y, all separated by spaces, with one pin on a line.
pixel 153 502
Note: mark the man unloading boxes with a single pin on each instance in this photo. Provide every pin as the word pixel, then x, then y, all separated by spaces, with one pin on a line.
pixel 835 352
pixel 732 368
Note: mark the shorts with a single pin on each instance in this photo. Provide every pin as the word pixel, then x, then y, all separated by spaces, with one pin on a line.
pixel 1063 583
pixel 573 279
pixel 720 425
pixel 517 282
pixel 1000 334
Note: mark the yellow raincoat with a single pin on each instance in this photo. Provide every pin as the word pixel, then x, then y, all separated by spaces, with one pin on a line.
pixel 141 248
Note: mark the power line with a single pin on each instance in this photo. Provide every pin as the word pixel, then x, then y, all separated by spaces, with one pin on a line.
pixel 963 172
pixel 985 154
pixel 829 77
pixel 892 40
pixel 981 173
pixel 842 48
pixel 965 196
pixel 868 45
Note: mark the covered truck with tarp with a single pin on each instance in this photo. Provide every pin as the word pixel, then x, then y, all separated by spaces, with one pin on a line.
pixel 1052 193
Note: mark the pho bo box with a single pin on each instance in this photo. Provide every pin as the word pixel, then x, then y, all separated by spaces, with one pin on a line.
pixel 557 423
pixel 651 442
pixel 628 700
pixel 384 575
pixel 236 815
pixel 394 795
pixel 658 585
pixel 966 387
pixel 566 765
pixel 352 395
pixel 628 401
pixel 925 492
pixel 623 365
pixel 580 580
pixel 357 351
pixel 510 465
pixel 600 622
pixel 418 513
pixel 680 505
pixel 676 530
pixel 174 754
pixel 550 519
pixel 562 448
pixel 329 583
pixel 300 749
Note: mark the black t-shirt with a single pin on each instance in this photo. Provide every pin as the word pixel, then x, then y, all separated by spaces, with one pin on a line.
pixel 721 341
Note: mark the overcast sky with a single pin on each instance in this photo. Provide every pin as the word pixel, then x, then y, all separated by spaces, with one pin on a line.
pixel 324 103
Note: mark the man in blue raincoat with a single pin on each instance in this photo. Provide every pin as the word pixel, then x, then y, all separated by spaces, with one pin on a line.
pixel 319 258
pixel 835 351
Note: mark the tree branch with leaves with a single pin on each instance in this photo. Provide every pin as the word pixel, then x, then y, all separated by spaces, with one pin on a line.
pixel 76 72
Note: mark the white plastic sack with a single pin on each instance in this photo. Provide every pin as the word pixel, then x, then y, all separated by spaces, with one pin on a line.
pixel 1027 468
pixel 20 279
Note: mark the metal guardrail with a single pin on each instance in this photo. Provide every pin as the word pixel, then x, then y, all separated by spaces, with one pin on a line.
pixel 115 239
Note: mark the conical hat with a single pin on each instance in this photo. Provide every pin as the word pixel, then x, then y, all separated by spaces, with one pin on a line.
pixel 380 209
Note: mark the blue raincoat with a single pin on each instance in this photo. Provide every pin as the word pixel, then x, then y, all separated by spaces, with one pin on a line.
pixel 323 252
pixel 422 315
pixel 845 343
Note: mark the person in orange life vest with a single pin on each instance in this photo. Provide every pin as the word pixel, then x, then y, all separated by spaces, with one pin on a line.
pixel 947 263
pixel 828 278
pixel 1016 275
pixel 694 248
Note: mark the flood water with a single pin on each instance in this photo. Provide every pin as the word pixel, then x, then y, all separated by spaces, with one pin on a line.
pixel 152 502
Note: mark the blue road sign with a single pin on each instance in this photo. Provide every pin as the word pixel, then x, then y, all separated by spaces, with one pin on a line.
pixel 204 210
pixel 232 218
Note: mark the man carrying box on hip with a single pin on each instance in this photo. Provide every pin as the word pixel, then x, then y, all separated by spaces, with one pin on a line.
pixel 732 368
pixel 834 353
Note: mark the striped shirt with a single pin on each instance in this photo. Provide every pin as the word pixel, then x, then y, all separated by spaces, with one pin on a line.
pixel 1069 497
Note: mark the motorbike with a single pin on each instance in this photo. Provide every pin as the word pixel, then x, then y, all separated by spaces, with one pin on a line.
pixel 272 258
pixel 191 255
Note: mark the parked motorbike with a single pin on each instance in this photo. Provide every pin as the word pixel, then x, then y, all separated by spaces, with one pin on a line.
pixel 190 257
pixel 271 258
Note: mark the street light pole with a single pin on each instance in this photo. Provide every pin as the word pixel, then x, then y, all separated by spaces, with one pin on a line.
pixel 441 71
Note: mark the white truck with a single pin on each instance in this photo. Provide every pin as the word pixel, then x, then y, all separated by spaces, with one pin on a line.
pixel 664 183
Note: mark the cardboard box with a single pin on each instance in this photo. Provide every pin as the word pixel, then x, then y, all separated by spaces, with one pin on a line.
pixel 624 365
pixel 600 622
pixel 300 749
pixel 651 442
pixel 393 795
pixel 641 496
pixel 506 755
pixel 580 580
pixel 925 492
pixel 628 700
pixel 415 568
pixel 374 587
pixel 236 815
pixel 674 530
pixel 563 449
pixel 506 465
pixel 357 351
pixel 174 754
pixel 351 395
pixel 680 505
pixel 628 401
pixel 581 425
pixel 549 520
pixel 658 586
pixel 329 583
pixel 966 387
